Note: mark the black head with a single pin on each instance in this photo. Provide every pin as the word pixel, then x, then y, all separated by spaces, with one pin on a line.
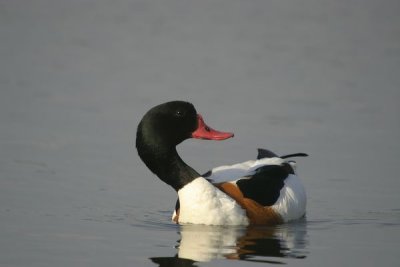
pixel 161 130
pixel 168 124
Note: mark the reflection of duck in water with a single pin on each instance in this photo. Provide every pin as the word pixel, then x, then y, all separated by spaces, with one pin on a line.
pixel 265 191
pixel 255 243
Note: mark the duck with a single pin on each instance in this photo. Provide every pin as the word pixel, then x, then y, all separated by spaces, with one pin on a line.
pixel 262 191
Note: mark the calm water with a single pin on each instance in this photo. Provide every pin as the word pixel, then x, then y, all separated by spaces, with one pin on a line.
pixel 320 77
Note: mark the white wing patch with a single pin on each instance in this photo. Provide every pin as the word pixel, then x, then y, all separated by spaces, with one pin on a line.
pixel 292 201
pixel 240 170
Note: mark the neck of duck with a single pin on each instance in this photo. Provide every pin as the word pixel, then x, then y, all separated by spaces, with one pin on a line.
pixel 165 162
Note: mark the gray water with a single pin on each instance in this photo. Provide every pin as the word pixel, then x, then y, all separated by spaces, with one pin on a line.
pixel 320 77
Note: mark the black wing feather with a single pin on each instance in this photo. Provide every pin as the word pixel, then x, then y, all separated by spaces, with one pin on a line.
pixel 265 153
pixel 264 186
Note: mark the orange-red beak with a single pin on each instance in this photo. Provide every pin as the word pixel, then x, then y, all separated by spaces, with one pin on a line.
pixel 205 132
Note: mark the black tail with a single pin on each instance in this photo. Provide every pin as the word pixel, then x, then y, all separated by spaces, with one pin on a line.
pixel 265 153
pixel 294 155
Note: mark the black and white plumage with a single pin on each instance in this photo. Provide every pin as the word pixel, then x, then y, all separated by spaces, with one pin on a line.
pixel 261 191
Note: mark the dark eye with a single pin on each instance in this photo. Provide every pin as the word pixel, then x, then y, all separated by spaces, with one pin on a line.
pixel 179 114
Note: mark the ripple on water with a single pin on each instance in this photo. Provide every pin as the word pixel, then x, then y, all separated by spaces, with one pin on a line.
pixel 202 243
pixel 160 220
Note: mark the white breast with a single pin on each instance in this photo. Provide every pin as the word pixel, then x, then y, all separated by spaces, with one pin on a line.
pixel 203 203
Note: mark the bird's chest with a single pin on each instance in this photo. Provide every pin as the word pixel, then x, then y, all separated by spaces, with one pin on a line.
pixel 203 203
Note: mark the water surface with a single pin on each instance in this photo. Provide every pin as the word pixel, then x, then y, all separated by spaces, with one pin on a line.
pixel 319 77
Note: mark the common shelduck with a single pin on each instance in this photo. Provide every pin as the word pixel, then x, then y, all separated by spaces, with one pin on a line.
pixel 264 191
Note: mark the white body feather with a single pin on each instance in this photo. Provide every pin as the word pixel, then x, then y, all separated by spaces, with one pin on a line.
pixel 292 201
pixel 203 203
